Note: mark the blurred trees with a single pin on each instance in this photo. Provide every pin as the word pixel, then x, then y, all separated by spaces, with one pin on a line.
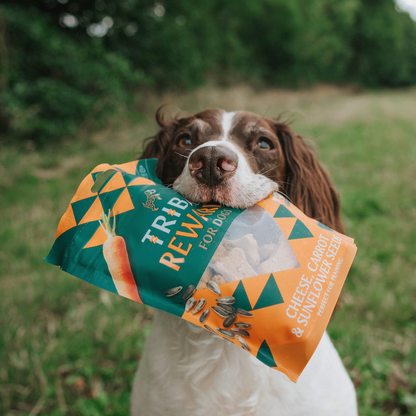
pixel 64 60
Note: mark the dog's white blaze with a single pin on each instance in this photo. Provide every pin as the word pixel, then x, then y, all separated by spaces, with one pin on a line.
pixel 226 124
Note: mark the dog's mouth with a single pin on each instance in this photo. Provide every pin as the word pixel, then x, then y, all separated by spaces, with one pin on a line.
pixel 218 174
pixel 233 193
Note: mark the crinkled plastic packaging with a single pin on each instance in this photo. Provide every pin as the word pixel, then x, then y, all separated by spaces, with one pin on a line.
pixel 278 272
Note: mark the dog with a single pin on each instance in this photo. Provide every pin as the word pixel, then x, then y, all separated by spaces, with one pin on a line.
pixel 236 159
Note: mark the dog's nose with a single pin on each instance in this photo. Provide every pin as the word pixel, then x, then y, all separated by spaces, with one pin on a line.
pixel 210 165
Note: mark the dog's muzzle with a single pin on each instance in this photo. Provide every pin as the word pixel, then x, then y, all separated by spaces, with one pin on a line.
pixel 210 165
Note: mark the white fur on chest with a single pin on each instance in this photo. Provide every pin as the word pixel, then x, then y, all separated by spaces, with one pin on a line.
pixel 185 370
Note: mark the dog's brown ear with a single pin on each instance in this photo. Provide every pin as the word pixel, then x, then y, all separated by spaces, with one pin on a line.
pixel 306 182
pixel 157 146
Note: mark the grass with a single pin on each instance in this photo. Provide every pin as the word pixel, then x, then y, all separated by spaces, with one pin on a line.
pixel 68 348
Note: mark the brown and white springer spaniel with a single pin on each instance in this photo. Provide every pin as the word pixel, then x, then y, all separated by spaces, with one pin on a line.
pixel 236 159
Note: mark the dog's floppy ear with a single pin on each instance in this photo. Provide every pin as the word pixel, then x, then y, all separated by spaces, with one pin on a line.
pixel 158 145
pixel 306 182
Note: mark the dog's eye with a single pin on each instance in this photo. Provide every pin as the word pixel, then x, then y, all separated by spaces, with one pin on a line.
pixel 184 140
pixel 264 143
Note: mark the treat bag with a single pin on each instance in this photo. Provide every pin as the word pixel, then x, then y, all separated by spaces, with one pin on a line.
pixel 278 272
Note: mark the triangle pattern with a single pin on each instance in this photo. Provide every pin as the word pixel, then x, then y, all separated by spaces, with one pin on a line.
pixel 84 189
pixel 300 231
pixel 324 226
pixel 94 213
pixel 283 212
pixel 286 224
pixel 109 199
pixel 270 296
pixel 241 299
pixel 116 182
pixel 124 203
pixel 80 208
pixel 102 179
pixel 265 355
pixel 254 288
pixel 141 181
pixel 102 167
pixel 67 221
pixel 97 239
pixel 128 178
pixel 129 167
pixel 269 205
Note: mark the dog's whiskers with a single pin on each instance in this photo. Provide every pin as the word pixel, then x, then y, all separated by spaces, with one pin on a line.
pixel 285 195
pixel 268 170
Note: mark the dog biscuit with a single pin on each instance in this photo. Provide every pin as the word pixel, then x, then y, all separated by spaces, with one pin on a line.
pixel 234 266
pixel 249 245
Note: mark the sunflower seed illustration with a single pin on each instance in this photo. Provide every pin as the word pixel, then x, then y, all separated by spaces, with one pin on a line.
pixel 189 291
pixel 226 332
pixel 210 329
pixel 190 303
pixel 223 311
pixel 227 300
pixel 243 343
pixel 204 316
pixel 229 321
pixel 174 291
pixel 199 306
pixel 227 308
pixel 242 325
pixel 220 312
pixel 242 312
pixel 213 287
pixel 241 332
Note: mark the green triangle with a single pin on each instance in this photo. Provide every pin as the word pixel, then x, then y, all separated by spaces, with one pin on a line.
pixel 300 231
pixel 270 295
pixel 324 226
pixel 136 192
pixel 58 251
pixel 265 355
pixel 128 177
pixel 108 199
pixel 283 212
pixel 81 207
pixel 241 299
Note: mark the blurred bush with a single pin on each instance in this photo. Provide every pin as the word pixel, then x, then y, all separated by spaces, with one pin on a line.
pixel 62 61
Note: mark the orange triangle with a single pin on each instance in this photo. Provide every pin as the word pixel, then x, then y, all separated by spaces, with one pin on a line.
pixel 254 287
pixel 269 205
pixel 102 168
pixel 141 181
pixel 98 239
pixel 84 189
pixel 286 224
pixel 124 203
pixel 94 213
pixel 116 182
pixel 129 167
pixel 67 221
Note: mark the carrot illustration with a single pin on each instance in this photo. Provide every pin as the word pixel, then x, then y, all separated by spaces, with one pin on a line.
pixel 116 256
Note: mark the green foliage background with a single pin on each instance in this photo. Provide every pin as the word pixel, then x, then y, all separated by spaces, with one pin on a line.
pixel 53 77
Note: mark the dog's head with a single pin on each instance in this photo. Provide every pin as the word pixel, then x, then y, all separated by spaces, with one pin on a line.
pixel 238 159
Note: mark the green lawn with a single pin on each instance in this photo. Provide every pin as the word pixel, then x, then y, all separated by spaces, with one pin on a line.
pixel 67 347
